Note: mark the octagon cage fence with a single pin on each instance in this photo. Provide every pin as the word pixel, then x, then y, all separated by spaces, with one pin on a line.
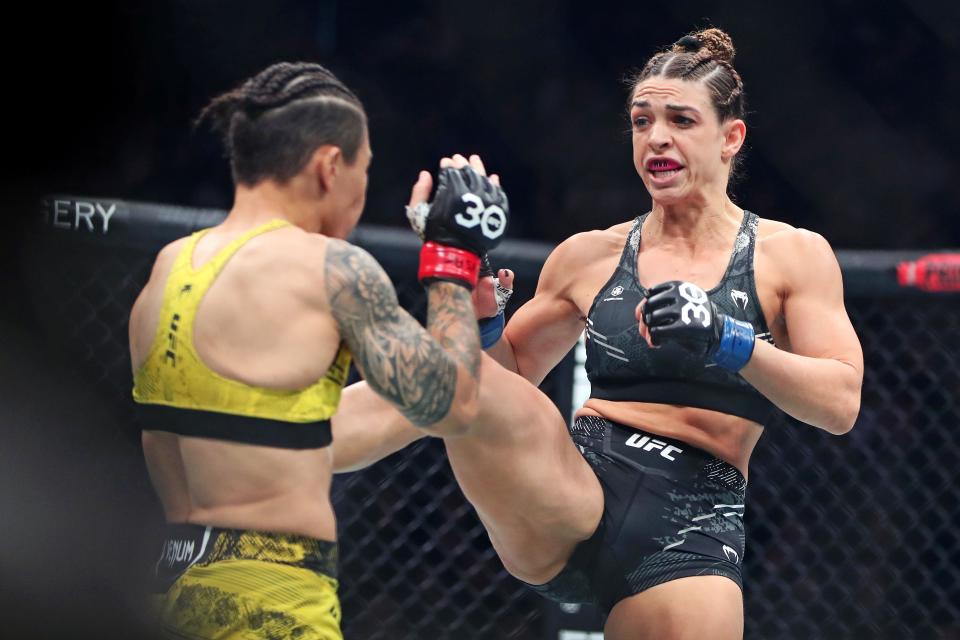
pixel 849 537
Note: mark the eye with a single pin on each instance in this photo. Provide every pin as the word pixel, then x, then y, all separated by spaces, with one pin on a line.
pixel 684 121
pixel 641 121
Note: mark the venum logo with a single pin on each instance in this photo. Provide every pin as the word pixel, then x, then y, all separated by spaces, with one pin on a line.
pixel 647 443
pixel 739 298
pixel 175 551
pixel 731 554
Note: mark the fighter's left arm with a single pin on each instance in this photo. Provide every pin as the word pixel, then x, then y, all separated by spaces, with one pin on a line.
pixel 818 381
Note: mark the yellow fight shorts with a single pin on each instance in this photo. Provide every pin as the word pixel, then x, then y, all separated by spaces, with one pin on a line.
pixel 245 585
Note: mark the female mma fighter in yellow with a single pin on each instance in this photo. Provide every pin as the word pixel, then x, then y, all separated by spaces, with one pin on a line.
pixel 242 339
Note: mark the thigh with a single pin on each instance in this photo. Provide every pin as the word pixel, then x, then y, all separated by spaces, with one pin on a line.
pixel 529 483
pixel 687 608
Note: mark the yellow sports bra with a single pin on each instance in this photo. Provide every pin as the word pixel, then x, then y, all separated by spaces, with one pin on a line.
pixel 175 391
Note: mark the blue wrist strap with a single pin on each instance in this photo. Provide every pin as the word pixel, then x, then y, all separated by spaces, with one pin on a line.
pixel 736 345
pixel 490 330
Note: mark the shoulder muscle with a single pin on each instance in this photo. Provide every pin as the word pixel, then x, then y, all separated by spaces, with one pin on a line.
pixel 807 260
pixel 565 261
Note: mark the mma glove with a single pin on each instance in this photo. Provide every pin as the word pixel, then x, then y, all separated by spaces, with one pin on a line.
pixel 681 313
pixel 467 218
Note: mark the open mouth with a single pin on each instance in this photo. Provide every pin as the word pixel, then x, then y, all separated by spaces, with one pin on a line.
pixel 663 168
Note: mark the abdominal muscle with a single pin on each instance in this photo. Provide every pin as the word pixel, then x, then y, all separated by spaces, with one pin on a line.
pixel 727 437
pixel 241 486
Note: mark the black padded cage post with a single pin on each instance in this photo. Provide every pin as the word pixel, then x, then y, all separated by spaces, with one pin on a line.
pixel 852 537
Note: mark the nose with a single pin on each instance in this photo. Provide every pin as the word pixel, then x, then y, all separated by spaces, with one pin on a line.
pixel 659 136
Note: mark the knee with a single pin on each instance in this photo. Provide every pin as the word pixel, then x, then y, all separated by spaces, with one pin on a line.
pixel 460 420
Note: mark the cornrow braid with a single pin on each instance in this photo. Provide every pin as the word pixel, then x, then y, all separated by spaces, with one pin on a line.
pixel 736 93
pixel 286 82
pixel 273 122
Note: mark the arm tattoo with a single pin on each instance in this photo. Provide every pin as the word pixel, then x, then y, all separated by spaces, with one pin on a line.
pixel 452 321
pixel 414 371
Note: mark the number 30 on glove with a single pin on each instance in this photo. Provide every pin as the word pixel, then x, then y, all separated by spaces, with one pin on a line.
pixel 467 218
pixel 681 312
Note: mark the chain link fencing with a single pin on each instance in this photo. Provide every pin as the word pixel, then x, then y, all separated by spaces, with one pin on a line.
pixel 852 537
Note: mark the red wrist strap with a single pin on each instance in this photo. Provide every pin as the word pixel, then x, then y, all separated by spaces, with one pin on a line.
pixel 441 262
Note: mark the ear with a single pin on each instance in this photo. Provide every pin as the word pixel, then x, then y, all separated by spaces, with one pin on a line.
pixel 734 135
pixel 325 165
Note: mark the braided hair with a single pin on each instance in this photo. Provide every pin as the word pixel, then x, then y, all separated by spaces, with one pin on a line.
pixel 272 123
pixel 705 56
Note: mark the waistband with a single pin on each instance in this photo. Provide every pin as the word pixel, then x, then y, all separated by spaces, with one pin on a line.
pixel 188 545
pixel 652 452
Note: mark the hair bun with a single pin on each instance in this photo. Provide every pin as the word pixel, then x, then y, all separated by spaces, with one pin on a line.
pixel 717 42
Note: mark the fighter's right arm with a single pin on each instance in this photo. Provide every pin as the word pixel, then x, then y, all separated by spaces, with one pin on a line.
pixel 543 330
pixel 430 376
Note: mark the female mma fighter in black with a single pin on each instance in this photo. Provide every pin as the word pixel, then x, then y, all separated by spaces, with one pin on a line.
pixel 702 319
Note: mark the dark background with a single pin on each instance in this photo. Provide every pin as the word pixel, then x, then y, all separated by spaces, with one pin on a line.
pixel 853 105
pixel 852 133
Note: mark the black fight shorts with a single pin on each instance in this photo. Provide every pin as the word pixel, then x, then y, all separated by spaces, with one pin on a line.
pixel 670 511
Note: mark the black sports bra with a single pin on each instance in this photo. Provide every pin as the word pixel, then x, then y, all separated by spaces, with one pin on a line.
pixel 621 366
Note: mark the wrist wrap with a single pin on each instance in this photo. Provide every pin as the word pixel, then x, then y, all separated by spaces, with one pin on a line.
pixel 736 345
pixel 490 330
pixel 442 262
